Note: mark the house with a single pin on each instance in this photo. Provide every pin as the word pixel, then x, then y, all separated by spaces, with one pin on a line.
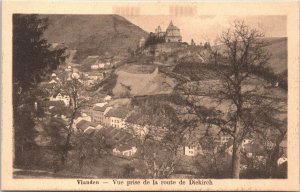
pixel 107 98
pixel 282 160
pixel 117 117
pixel 59 96
pixel 229 147
pixel 270 145
pixel 88 110
pixel 83 116
pixel 52 82
pixel 87 82
pixel 224 138
pixel 87 127
pixel 119 138
pixel 255 150
pixel 125 150
pixel 69 69
pixel 192 149
pixel 99 113
pixel 54 79
pixel 43 140
pixel 94 76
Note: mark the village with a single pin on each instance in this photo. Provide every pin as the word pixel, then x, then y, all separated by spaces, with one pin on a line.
pixel 106 115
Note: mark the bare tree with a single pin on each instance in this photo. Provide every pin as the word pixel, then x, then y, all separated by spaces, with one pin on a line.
pixel 237 99
pixel 72 87
pixel 243 51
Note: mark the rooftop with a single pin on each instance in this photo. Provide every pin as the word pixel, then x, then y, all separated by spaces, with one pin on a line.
pixel 84 124
pixel 123 147
pixel 118 112
pixel 98 108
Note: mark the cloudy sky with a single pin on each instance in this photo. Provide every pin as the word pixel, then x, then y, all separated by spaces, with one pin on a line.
pixel 208 27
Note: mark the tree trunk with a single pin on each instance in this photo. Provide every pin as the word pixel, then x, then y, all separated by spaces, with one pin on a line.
pixel 236 157
pixel 275 155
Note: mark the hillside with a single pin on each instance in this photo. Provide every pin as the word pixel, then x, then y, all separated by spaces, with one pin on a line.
pixel 142 83
pixel 93 34
pixel 277 48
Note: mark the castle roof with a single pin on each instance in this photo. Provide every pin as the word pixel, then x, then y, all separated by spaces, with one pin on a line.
pixel 172 27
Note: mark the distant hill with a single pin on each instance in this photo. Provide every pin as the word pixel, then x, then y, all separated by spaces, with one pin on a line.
pixel 93 34
pixel 277 47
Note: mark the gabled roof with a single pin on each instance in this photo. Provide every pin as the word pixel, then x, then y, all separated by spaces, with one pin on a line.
pixel 61 92
pixel 98 108
pixel 123 147
pixel 89 131
pixel 118 112
pixel 84 124
pixel 116 136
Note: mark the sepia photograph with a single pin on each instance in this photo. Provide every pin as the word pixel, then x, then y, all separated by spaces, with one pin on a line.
pixel 99 96
pixel 167 97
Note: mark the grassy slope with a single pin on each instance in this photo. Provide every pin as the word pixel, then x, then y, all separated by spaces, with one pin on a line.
pixel 142 83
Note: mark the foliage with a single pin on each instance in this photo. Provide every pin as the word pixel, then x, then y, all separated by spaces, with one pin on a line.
pixel 154 39
pixel 32 57
pixel 32 60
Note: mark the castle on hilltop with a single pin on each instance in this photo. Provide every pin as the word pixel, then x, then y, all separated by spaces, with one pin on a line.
pixel 172 33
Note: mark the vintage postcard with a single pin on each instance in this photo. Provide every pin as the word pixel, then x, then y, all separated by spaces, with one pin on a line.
pixel 150 96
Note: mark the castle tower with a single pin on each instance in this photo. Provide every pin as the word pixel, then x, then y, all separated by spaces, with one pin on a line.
pixel 159 32
pixel 173 33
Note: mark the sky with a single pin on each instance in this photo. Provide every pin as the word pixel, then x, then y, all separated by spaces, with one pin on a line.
pixel 208 27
